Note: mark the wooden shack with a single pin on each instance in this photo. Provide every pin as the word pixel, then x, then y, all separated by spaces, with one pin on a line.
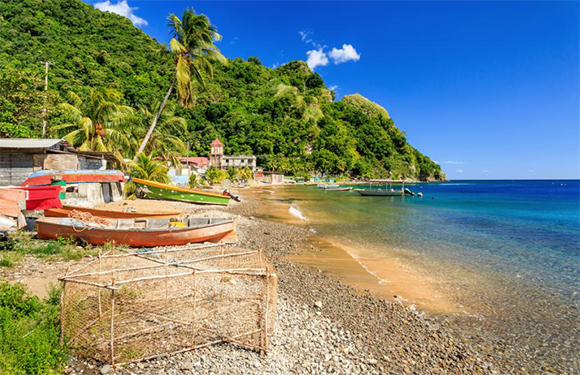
pixel 19 157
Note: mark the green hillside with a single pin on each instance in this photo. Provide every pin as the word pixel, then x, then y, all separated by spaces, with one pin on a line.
pixel 286 116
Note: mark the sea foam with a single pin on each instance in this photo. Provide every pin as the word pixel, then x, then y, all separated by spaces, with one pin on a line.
pixel 296 212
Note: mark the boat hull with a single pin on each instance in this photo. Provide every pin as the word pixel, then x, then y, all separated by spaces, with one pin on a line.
pixel 110 214
pixel 339 189
pixel 44 177
pixel 156 190
pixel 54 228
pixel 379 193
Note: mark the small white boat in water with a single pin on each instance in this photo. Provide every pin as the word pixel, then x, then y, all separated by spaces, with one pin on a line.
pixel 327 186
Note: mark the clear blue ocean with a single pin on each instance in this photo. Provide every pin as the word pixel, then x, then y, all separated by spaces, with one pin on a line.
pixel 521 237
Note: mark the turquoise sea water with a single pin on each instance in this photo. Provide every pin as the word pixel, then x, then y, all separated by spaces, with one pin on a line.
pixel 523 237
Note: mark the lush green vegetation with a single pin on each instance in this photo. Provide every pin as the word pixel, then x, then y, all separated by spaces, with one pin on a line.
pixel 286 116
pixel 19 244
pixel 29 332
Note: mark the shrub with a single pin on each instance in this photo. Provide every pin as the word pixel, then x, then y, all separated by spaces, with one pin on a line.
pixel 29 332
pixel 215 175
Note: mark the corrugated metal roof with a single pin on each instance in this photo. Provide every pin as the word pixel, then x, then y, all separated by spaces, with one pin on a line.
pixel 28 142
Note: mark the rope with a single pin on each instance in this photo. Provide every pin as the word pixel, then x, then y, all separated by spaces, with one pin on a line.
pixel 85 218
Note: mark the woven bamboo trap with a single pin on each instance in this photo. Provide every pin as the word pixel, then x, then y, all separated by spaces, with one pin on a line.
pixel 127 306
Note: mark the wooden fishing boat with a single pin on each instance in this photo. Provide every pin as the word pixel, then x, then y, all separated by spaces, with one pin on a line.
pixel 327 186
pixel 157 190
pixel 380 192
pixel 140 232
pixel 45 176
pixel 65 211
pixel 345 188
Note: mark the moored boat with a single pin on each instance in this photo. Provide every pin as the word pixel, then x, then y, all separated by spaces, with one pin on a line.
pixel 140 232
pixel 344 188
pixel 65 211
pixel 327 186
pixel 157 190
pixel 380 192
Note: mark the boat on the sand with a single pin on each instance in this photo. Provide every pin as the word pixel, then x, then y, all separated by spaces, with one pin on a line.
pixel 45 177
pixel 157 190
pixel 66 211
pixel 141 232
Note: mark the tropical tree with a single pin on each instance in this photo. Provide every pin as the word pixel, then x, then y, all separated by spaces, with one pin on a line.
pixel 245 174
pixel 233 173
pixel 146 168
pixel 164 143
pixel 192 44
pixel 215 175
pixel 195 180
pixel 95 124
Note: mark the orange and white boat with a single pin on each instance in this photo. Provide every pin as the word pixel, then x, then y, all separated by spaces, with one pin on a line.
pixel 142 232
pixel 66 211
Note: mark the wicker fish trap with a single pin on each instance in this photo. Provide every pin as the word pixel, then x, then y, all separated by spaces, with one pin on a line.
pixel 127 306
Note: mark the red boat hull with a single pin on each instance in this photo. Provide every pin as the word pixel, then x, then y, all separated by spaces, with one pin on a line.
pixel 72 178
pixel 51 229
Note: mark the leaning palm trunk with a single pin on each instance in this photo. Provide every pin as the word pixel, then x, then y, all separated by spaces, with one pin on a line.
pixel 155 119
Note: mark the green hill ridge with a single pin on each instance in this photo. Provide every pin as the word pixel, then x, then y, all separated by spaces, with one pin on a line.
pixel 286 116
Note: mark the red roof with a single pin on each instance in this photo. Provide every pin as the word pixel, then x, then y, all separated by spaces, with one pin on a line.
pixel 199 161
pixel 216 142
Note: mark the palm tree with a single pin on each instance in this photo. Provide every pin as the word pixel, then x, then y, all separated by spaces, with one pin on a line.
pixel 163 142
pixel 146 168
pixel 96 122
pixel 193 48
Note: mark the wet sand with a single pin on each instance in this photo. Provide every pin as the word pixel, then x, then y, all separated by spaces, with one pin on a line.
pixel 388 278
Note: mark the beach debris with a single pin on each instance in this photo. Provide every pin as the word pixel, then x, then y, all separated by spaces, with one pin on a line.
pixel 318 304
pixel 105 369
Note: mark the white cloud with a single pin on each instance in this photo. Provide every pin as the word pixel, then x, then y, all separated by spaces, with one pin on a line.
pixel 316 57
pixel 459 171
pixel 122 8
pixel 305 35
pixel 333 87
pixel 453 162
pixel 319 56
pixel 435 161
pixel 346 53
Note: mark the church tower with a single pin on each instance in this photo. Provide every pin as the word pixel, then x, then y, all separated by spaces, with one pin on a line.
pixel 216 153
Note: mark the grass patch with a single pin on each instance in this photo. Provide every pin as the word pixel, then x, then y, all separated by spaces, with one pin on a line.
pixel 10 259
pixel 20 243
pixel 29 332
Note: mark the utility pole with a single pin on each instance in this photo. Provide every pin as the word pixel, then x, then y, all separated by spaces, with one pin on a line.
pixel 46 65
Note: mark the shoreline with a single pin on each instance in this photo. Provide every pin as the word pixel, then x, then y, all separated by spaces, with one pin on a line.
pixel 499 347
pixel 392 279
pixel 325 325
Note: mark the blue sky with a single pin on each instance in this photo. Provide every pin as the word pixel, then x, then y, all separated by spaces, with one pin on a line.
pixel 486 89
